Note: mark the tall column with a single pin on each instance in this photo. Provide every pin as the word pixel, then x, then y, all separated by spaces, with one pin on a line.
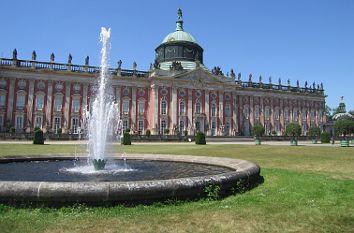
pixel 84 96
pixel 234 113
pixel 261 113
pixel 133 112
pixel 174 103
pixel 221 110
pixel 49 103
pixel 190 112
pixel 30 103
pixel 281 115
pixel 67 106
pixel 207 110
pixel 272 114
pixel 251 112
pixel 10 103
pixel 153 109
pixel 118 98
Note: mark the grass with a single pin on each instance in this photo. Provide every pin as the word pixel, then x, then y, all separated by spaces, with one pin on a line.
pixel 306 189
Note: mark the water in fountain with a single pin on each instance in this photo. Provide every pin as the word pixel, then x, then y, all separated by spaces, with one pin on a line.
pixel 103 113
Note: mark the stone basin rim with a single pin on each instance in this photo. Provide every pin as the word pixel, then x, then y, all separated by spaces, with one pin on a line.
pixel 127 191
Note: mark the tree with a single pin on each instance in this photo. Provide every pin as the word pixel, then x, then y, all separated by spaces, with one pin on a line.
pixel 257 132
pixel 344 127
pixel 315 132
pixel 293 129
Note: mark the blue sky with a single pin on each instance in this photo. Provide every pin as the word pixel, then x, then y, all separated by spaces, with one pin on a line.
pixel 295 39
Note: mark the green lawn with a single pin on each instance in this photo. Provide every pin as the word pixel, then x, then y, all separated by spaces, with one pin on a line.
pixel 306 189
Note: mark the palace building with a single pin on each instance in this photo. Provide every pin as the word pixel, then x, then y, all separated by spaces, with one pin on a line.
pixel 177 93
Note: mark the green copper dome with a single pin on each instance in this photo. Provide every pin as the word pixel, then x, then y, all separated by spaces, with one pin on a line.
pixel 179 46
pixel 179 36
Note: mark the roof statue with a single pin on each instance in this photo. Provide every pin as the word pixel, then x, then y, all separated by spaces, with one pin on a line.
pixel 87 59
pixel 120 64
pixel 70 58
pixel 14 54
pixel 52 57
pixel 34 55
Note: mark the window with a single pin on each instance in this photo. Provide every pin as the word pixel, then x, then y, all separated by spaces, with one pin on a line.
pixel 213 110
pixel 286 115
pixel 1 123
pixel 266 113
pixel 303 115
pixel 57 123
pixel 141 126
pixel 20 104
pixel 313 116
pixel 181 126
pixel 213 128
pixel 76 105
pixel 256 114
pixel 75 125
pixel 163 126
pixel 227 110
pixel 227 128
pixel 39 102
pixel 38 121
pixel 163 107
pixel 246 113
pixel 2 100
pixel 125 124
pixel 58 103
pixel 181 108
pixel 141 108
pixel 276 114
pixel 197 108
pixel 295 118
pixel 125 106
pixel 19 123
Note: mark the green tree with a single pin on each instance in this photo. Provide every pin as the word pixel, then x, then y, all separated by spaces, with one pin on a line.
pixel 257 130
pixel 315 132
pixel 293 129
pixel 344 127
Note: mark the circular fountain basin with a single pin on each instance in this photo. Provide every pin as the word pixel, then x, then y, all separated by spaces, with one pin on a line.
pixel 58 180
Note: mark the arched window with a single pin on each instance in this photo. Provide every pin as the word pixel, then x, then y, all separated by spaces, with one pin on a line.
pixel 163 107
pixel 163 126
pixel 76 104
pixel 286 114
pixel 181 108
pixel 181 126
pixel 266 113
pixel 39 102
pixel 20 102
pixel 126 106
pixel 197 108
pixel 141 107
pixel 213 109
pixel 58 101
pixel 2 99
pixel 227 110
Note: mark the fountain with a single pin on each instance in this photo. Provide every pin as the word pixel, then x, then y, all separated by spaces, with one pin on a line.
pixel 104 112
pixel 100 179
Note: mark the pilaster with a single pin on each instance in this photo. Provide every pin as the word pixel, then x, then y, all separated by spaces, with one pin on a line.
pixel 133 112
pixel 190 112
pixel 49 103
pixel 174 103
pixel 30 103
pixel 10 102
pixel 67 106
